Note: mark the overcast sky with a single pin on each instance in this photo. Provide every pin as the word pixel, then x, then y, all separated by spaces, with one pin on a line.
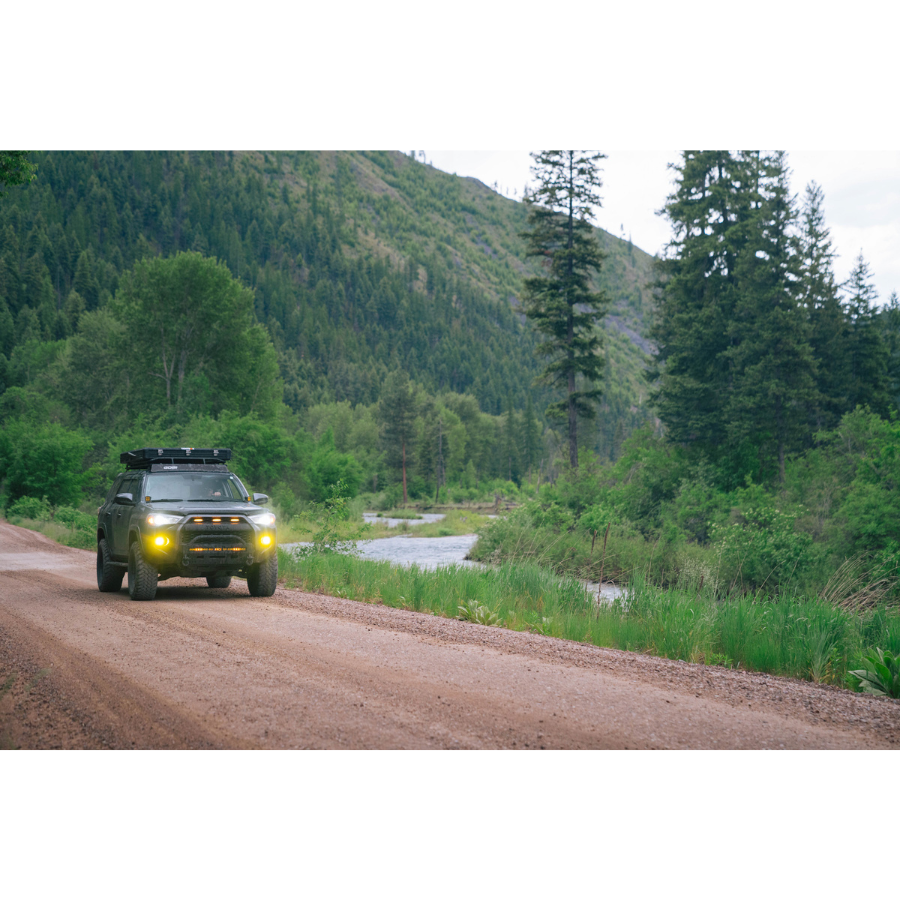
pixel 862 198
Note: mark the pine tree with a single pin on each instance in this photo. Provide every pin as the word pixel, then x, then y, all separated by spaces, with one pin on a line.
pixel 512 440
pixel 559 302
pixel 397 413
pixel 769 352
pixel 531 438
pixel 709 211
pixel 868 358
pixel 825 314
pixel 85 281
pixel 889 322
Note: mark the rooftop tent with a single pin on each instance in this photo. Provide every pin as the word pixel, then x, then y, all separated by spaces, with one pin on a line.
pixel 148 456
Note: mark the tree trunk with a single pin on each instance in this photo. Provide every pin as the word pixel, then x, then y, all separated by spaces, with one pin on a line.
pixel 570 335
pixel 440 460
pixel 167 370
pixel 404 473
pixel 573 423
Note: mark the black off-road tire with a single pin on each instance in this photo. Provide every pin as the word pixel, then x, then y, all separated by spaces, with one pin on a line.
pixel 142 576
pixel 218 581
pixel 109 577
pixel 262 578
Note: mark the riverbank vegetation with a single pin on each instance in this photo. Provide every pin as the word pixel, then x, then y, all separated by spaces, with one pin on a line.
pixel 671 515
pixel 802 637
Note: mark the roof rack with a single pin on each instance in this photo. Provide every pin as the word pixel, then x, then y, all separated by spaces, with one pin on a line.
pixel 148 456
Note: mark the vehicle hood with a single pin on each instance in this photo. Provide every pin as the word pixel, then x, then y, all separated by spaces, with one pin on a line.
pixel 209 509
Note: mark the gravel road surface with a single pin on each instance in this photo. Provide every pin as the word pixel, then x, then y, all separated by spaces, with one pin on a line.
pixel 208 668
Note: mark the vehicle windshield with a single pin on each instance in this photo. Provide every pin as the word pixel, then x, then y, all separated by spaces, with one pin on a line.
pixel 194 487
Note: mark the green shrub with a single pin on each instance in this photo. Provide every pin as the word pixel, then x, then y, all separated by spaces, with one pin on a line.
pixel 327 467
pixel 762 545
pixel 879 674
pixel 43 461
pixel 472 611
pixel 31 508
pixel 75 519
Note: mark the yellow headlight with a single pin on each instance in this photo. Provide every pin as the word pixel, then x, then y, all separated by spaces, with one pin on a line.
pixel 160 541
pixel 265 540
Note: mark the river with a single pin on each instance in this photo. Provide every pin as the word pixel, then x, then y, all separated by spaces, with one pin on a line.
pixel 429 553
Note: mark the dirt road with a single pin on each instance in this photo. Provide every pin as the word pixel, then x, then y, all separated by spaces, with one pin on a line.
pixel 216 668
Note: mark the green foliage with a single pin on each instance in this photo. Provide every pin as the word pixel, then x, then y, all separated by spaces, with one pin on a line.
pixel 198 337
pixel 64 524
pixel 15 168
pixel 879 674
pixel 265 455
pixel 74 518
pixel 332 535
pixel 43 460
pixel 399 514
pixel 472 611
pixel 762 544
pixel 866 350
pixel 871 508
pixel 396 413
pixel 31 508
pixel 327 468
pixel 669 513
pixel 359 265
pixel 756 351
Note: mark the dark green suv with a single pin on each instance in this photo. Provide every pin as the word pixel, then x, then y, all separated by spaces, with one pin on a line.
pixel 181 512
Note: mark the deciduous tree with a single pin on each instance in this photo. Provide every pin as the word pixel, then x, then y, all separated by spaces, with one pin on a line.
pixel 192 326
pixel 15 168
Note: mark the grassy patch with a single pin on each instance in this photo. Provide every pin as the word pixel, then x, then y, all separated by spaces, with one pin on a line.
pixel 81 532
pixel 456 521
pixel 800 637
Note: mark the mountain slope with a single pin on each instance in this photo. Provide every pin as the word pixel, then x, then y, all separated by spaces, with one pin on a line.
pixel 361 262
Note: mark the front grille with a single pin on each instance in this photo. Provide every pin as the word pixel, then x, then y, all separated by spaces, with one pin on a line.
pixel 215 525
pixel 214 547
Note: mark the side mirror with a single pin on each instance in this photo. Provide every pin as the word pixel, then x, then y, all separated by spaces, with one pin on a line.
pixel 127 499
pixel 260 498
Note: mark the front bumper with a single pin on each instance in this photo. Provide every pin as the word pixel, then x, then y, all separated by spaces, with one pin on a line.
pixel 200 548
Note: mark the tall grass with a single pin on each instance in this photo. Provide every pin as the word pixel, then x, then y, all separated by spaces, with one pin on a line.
pixel 801 637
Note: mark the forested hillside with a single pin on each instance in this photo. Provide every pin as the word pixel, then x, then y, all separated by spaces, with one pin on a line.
pixel 338 271
pixel 361 263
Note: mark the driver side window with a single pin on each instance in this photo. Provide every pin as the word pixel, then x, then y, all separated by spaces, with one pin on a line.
pixel 130 485
pixel 117 484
